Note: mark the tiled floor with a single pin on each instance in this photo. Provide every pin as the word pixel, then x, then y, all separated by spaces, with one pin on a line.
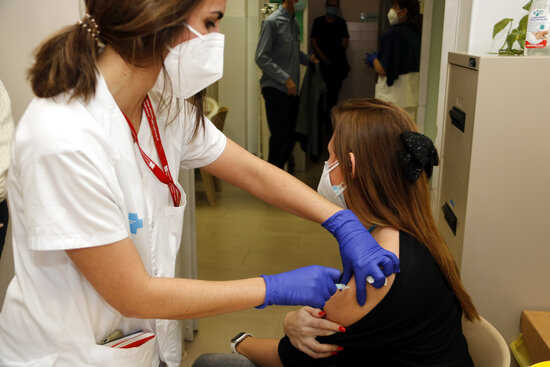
pixel 244 237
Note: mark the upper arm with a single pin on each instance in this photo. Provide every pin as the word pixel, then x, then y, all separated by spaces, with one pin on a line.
pixel 386 52
pixel 270 184
pixel 116 272
pixel 237 166
pixel 70 196
pixel 379 68
pixel 345 34
pixel 264 43
pixel 202 149
pixel 343 307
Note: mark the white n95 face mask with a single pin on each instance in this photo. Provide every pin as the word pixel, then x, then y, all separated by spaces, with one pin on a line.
pixel 333 193
pixel 193 65
pixel 393 18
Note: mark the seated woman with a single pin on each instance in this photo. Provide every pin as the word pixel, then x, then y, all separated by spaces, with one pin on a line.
pixel 379 166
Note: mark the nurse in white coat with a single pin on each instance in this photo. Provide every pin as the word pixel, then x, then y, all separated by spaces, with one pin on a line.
pixel 97 215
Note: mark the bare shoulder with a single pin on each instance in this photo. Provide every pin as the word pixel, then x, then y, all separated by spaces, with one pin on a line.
pixel 343 307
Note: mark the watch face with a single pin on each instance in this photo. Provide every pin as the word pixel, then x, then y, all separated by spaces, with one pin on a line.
pixel 236 337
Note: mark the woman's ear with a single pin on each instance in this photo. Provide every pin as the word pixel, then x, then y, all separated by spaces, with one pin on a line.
pixel 352 160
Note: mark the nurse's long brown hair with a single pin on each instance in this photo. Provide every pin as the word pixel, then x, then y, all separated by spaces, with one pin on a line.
pixel 379 192
pixel 138 30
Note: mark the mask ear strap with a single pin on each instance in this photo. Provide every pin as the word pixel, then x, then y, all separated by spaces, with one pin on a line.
pixel 333 165
pixel 193 30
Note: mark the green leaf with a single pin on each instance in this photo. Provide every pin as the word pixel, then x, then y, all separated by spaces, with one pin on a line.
pixel 528 5
pixel 501 25
pixel 521 41
pixel 523 24
pixel 512 37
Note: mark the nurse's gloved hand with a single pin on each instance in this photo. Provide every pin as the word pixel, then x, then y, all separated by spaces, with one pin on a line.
pixel 369 58
pixel 360 253
pixel 309 286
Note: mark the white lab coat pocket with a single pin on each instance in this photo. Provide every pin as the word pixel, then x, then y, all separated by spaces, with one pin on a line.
pixel 169 331
pixel 101 356
pixel 170 233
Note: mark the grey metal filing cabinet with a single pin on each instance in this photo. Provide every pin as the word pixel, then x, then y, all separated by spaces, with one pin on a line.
pixel 494 186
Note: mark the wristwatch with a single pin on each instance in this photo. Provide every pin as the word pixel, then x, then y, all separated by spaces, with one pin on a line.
pixel 237 339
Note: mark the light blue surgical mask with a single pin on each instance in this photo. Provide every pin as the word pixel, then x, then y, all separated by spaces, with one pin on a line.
pixel 332 11
pixel 333 193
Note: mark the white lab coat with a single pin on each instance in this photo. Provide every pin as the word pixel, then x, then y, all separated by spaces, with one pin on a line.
pixel 77 180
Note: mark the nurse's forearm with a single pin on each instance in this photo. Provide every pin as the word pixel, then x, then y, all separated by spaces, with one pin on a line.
pixel 270 184
pixel 117 273
pixel 189 298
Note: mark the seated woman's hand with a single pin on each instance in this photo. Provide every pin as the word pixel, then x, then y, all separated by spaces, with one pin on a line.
pixel 304 325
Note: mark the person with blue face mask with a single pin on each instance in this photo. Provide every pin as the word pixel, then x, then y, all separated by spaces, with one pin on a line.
pixel 329 40
pixel 397 61
pixel 95 204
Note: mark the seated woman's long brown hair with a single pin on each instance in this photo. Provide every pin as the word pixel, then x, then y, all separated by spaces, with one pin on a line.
pixel 380 193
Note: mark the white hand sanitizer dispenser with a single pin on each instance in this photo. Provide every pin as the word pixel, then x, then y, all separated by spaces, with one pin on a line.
pixel 538 24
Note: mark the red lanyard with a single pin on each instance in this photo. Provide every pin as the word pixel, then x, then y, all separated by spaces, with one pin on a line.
pixel 162 174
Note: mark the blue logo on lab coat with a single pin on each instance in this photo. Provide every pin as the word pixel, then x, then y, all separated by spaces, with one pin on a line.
pixel 135 222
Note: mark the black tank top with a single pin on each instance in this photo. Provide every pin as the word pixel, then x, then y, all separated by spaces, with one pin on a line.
pixel 418 323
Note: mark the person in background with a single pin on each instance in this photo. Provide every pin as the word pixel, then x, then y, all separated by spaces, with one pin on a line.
pixel 279 57
pixel 397 62
pixel 329 40
pixel 97 211
pixel 6 133
pixel 381 165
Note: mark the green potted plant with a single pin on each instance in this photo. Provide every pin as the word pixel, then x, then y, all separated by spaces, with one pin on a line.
pixel 515 35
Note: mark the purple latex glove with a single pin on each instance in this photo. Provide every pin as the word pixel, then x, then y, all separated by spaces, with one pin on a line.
pixel 360 253
pixel 369 58
pixel 309 286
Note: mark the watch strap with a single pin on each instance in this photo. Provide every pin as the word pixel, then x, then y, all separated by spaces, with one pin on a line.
pixel 234 342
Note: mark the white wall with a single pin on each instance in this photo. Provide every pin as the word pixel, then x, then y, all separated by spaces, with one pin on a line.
pixel 468 28
pixel 485 14
pixel 24 24
pixel 239 88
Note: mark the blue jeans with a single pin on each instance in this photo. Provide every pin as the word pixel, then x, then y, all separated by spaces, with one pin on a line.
pixel 222 360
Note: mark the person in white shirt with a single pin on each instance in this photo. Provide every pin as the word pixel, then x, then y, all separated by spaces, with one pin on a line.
pixel 97 214
pixel 6 133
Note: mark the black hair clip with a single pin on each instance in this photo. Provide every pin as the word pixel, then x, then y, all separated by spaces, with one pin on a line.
pixel 418 154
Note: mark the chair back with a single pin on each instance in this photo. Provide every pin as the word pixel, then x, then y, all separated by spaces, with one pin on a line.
pixel 210 107
pixel 487 347
pixel 219 118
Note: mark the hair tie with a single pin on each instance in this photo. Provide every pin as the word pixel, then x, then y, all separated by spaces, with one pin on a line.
pixel 90 25
pixel 418 154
